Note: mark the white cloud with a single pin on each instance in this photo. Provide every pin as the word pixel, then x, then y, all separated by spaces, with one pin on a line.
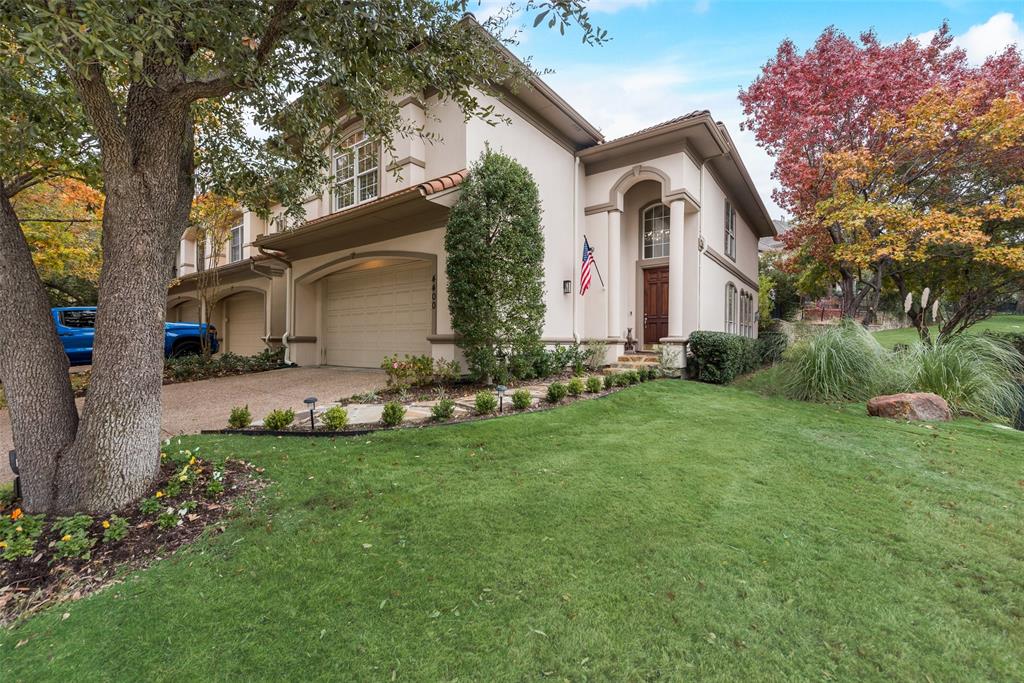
pixel 625 99
pixel 992 37
pixel 984 40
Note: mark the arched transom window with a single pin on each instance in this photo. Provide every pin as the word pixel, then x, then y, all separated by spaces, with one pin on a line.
pixel 655 231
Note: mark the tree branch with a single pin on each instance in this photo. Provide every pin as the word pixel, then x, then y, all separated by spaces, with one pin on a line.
pixel 226 82
pixel 100 107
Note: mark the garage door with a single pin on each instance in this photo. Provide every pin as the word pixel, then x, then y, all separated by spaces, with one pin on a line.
pixel 369 314
pixel 244 321
pixel 187 312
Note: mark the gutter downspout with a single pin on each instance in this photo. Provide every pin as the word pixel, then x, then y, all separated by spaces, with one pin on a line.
pixel 288 291
pixel 575 241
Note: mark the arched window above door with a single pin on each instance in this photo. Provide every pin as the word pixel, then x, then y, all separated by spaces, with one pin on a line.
pixel 654 231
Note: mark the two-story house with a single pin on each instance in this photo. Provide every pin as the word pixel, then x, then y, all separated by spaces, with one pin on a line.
pixel 670 211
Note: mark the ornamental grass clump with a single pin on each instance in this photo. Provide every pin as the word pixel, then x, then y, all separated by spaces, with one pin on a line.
pixel 977 375
pixel 841 363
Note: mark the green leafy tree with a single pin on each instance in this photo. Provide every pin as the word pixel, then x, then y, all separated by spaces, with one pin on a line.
pixel 495 252
pixel 168 89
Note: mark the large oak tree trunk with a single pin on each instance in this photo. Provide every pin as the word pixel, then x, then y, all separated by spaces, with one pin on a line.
pixel 115 454
pixel 33 367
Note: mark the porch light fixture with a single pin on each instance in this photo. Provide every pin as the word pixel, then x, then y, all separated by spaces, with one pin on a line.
pixel 311 402
pixel 501 389
pixel 566 286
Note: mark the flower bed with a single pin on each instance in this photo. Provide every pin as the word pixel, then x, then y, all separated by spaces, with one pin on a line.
pixel 47 560
pixel 475 408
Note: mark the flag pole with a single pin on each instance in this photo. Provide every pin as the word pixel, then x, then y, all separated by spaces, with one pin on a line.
pixel 595 263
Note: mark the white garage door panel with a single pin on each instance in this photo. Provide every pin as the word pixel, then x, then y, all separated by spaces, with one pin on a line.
pixel 373 313
pixel 245 324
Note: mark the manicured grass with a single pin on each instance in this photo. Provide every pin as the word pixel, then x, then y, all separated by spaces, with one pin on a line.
pixel 997 323
pixel 673 531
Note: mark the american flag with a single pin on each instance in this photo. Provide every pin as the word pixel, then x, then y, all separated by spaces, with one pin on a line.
pixel 588 260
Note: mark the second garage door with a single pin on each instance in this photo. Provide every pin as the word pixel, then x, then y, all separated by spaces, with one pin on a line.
pixel 245 325
pixel 369 314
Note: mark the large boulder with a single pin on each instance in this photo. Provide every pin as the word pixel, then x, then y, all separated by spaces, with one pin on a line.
pixel 921 406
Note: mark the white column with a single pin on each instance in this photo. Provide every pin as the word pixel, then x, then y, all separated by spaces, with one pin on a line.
pixel 614 281
pixel 677 212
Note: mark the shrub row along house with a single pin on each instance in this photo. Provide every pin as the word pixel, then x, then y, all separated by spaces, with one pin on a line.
pixel 670 211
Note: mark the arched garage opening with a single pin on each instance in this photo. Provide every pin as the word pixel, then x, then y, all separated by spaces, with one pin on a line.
pixel 376 306
pixel 183 311
pixel 241 321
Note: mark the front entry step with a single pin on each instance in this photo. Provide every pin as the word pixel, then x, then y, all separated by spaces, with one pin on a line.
pixel 634 361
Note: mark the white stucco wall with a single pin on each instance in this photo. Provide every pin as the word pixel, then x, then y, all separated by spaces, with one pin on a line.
pixel 552 167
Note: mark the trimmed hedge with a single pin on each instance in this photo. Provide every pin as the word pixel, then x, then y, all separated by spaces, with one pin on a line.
pixel 720 357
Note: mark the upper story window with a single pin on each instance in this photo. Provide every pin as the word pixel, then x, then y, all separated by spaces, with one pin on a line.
pixel 731 302
pixel 235 246
pixel 655 231
pixel 730 230
pixel 200 254
pixel 356 173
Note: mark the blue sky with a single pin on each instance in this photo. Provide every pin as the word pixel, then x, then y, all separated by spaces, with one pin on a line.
pixel 669 57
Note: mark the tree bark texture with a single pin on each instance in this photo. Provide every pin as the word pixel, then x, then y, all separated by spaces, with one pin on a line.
pixel 33 367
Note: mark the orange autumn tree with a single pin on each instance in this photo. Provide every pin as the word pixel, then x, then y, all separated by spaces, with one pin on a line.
pixel 210 222
pixel 939 206
pixel 61 223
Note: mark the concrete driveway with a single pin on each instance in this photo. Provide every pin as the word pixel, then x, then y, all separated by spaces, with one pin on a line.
pixel 193 406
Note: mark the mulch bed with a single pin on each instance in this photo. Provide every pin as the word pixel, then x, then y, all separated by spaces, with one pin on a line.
pixel 28 584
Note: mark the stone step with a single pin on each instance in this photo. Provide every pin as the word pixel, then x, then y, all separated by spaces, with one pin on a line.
pixel 645 358
pixel 627 365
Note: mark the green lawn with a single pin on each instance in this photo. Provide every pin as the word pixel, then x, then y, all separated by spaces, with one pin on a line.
pixel 997 323
pixel 673 531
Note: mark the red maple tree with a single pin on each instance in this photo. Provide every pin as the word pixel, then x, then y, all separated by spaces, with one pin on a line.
pixel 804 107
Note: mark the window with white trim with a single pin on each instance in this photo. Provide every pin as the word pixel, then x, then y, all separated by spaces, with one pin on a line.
pixel 235 246
pixel 730 230
pixel 746 314
pixel 655 231
pixel 730 308
pixel 356 173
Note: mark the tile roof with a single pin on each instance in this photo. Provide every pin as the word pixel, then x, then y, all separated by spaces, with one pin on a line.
pixel 663 124
pixel 425 189
pixel 445 182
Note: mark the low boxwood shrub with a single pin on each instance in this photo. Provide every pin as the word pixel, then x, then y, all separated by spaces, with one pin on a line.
pixel 575 386
pixel 240 418
pixel 443 410
pixel 653 372
pixel 594 384
pixel 393 414
pixel 720 357
pixel 521 399
pixel 609 380
pixel 556 392
pixel 279 419
pixel 633 377
pixel 334 418
pixel 486 402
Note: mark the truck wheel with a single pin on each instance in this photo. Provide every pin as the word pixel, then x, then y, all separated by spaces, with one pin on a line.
pixel 186 348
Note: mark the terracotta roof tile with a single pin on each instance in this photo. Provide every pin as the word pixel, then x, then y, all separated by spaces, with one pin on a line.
pixel 445 182
pixel 425 189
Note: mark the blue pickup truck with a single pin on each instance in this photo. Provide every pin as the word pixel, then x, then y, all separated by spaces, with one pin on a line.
pixel 76 328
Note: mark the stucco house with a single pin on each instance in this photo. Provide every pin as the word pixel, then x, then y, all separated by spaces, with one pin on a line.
pixel 670 211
